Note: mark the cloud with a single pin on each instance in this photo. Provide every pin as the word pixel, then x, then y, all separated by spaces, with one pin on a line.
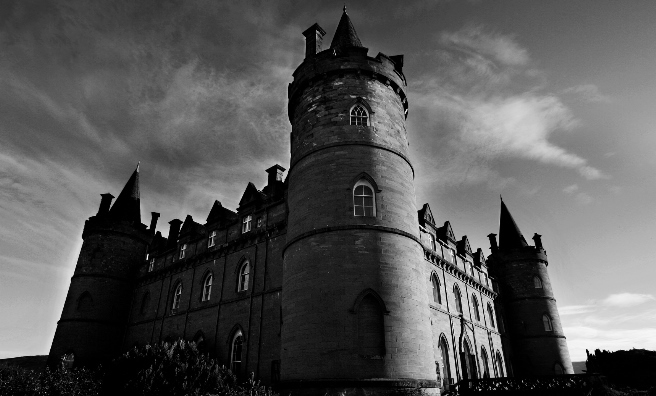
pixel 627 299
pixel 575 309
pixel 587 92
pixel 485 102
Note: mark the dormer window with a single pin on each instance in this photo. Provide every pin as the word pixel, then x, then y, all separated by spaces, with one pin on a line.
pixel 246 224
pixel 431 241
pixel 259 222
pixel 364 202
pixel 183 250
pixel 212 239
pixel 151 264
pixel 359 115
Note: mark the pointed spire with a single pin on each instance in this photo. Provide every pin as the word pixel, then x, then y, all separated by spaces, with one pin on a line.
pixel 345 35
pixel 127 206
pixel 510 237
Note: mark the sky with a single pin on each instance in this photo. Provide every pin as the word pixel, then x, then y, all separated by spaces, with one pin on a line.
pixel 549 104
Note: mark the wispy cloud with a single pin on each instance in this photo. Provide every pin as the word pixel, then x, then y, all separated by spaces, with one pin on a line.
pixel 627 299
pixel 489 104
pixel 587 92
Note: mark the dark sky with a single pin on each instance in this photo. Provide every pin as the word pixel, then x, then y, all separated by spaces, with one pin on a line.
pixel 548 103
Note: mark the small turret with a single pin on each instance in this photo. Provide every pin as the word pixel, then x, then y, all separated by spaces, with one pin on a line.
pixel 534 338
pixel 127 206
pixel 345 35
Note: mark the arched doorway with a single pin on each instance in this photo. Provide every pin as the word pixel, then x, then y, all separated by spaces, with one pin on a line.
pixel 468 360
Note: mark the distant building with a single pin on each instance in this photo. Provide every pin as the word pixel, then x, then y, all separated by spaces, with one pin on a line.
pixel 331 279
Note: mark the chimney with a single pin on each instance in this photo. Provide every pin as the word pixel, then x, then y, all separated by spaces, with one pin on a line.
pixel 537 238
pixel 274 179
pixel 174 231
pixel 105 203
pixel 313 39
pixel 153 221
pixel 493 243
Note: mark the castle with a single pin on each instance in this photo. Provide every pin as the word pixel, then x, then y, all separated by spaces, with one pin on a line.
pixel 331 279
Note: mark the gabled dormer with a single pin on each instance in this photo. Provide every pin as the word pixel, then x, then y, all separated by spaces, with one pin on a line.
pixel 426 216
pixel 219 214
pixel 251 198
pixel 464 249
pixel 190 229
pixel 445 233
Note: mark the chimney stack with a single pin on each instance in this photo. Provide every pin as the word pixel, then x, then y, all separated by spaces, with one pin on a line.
pixel 537 238
pixel 493 243
pixel 105 203
pixel 153 221
pixel 174 231
pixel 274 179
pixel 313 39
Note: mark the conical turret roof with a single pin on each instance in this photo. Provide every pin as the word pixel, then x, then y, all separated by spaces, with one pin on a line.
pixel 127 206
pixel 345 35
pixel 510 237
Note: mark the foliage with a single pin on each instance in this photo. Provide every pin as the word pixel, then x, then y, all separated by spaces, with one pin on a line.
pixel 166 369
pixel 635 368
pixel 58 382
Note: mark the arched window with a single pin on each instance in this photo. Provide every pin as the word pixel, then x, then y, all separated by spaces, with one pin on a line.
pixel 486 370
pixel 490 313
pixel 537 282
pixel 236 350
pixel 364 200
pixel 85 302
pixel 499 362
pixel 207 287
pixel 435 282
pixel 68 360
pixel 371 327
pixel 477 314
pixel 558 369
pixel 458 297
pixel 546 321
pixel 145 301
pixel 359 115
pixel 244 272
pixel 444 354
pixel 468 362
pixel 177 295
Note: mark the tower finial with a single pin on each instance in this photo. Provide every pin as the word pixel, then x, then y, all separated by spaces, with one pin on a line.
pixel 344 8
pixel 138 163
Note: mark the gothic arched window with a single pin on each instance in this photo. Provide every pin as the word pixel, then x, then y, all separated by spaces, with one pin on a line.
pixel 537 282
pixel 364 200
pixel 177 295
pixel 435 282
pixel 244 272
pixel 444 354
pixel 499 364
pixel 477 315
pixel 558 369
pixel 371 327
pixel 458 297
pixel 359 115
pixel 490 313
pixel 236 351
pixel 486 370
pixel 207 287
pixel 546 321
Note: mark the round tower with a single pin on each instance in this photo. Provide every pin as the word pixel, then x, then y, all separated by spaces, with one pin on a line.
pixel 353 298
pixel 538 344
pixel 94 316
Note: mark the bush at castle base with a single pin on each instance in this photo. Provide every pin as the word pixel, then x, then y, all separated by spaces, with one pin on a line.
pixel 166 369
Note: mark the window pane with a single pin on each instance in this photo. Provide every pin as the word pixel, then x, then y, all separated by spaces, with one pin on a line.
pixel 368 201
pixel 368 211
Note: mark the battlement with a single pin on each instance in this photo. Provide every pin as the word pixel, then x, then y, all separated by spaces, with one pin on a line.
pixel 354 60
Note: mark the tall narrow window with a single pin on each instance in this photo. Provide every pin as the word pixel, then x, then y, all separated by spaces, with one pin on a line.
pixel 177 295
pixel 359 115
pixel 477 315
pixel 364 202
pixel 236 352
pixel 183 250
pixel 371 328
pixel 499 362
pixel 207 287
pixel 151 264
pixel 243 276
pixel 546 320
pixel 458 297
pixel 444 354
pixel 246 224
pixel 490 313
pixel 437 297
pixel 486 370
pixel 558 369
pixel 537 282
pixel 211 241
